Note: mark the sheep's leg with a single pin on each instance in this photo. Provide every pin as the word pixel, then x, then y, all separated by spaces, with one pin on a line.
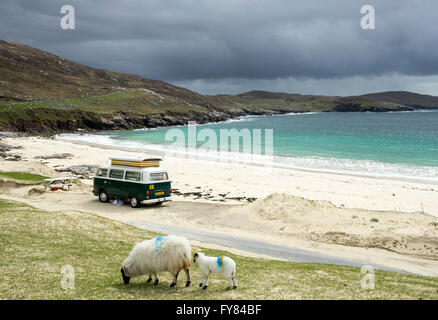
pixel 188 278
pixel 156 279
pixel 205 283
pixel 202 280
pixel 234 281
pixel 150 278
pixel 230 279
pixel 175 277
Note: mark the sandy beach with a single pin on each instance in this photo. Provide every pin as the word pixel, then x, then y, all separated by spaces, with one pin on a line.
pixel 391 222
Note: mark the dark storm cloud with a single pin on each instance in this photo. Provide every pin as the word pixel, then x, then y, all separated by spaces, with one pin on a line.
pixel 211 40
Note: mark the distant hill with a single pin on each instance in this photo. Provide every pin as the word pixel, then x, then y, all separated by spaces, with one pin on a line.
pixel 404 98
pixel 382 101
pixel 43 93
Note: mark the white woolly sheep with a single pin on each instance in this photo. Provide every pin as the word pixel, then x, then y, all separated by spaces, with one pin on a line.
pixel 222 265
pixel 170 253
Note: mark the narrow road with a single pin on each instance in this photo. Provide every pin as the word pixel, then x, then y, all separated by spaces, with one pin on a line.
pixel 255 246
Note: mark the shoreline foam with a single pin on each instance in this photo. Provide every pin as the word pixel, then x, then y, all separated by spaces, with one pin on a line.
pixel 260 160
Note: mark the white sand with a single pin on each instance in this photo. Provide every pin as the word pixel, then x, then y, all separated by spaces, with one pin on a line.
pixel 238 180
pixel 337 223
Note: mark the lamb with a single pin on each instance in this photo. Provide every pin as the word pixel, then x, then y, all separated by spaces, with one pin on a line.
pixel 169 253
pixel 223 265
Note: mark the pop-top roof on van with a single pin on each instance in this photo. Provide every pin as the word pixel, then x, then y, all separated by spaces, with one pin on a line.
pixel 139 162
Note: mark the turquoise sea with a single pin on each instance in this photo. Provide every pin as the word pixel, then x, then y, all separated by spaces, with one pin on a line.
pixel 393 144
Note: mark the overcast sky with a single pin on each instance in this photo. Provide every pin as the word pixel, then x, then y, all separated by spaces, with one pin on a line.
pixel 233 46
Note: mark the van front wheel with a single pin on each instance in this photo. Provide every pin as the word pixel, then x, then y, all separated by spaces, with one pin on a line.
pixel 103 197
pixel 135 203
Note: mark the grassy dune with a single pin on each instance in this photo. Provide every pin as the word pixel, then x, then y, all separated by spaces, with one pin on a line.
pixel 23 176
pixel 35 244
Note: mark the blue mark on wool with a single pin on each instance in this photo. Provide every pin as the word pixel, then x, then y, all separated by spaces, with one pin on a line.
pixel 219 262
pixel 158 241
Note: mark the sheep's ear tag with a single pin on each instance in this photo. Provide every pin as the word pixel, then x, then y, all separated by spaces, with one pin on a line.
pixel 219 261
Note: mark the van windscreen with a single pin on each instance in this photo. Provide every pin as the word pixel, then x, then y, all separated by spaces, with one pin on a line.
pixel 102 172
pixel 159 176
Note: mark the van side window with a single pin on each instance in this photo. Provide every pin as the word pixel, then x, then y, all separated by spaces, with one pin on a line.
pixel 116 174
pixel 159 176
pixel 102 172
pixel 133 176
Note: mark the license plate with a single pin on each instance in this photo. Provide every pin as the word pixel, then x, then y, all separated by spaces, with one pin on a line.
pixel 161 193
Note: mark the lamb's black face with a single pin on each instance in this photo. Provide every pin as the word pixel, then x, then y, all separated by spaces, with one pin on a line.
pixel 195 257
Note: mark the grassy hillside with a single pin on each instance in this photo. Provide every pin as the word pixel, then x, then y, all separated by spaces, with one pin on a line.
pixel 44 93
pixel 29 74
pixel 36 244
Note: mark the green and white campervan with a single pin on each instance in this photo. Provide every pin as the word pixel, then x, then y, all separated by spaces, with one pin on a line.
pixel 138 180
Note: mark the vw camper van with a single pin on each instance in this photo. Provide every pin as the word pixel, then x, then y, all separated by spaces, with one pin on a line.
pixel 138 180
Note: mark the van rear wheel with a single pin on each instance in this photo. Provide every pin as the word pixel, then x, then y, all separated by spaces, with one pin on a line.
pixel 103 197
pixel 135 203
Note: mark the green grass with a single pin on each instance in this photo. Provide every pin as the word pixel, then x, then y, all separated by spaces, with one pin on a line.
pixel 136 101
pixel 36 244
pixel 23 176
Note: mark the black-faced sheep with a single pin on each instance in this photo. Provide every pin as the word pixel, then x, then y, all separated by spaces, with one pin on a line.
pixel 170 253
pixel 222 265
